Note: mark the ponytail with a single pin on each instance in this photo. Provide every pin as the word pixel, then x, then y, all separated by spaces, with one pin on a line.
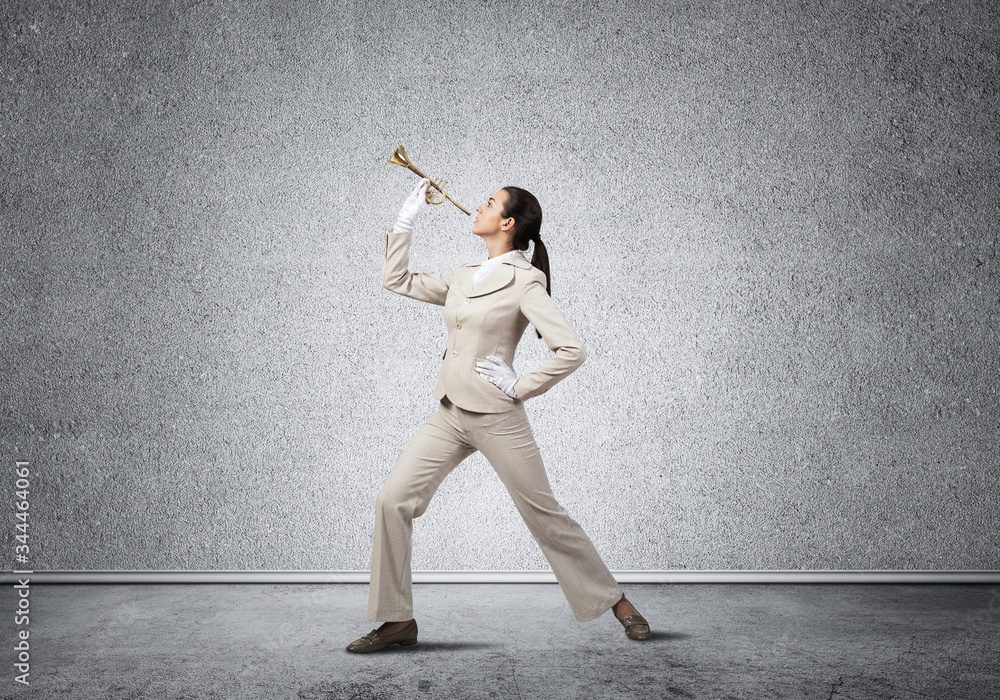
pixel 540 259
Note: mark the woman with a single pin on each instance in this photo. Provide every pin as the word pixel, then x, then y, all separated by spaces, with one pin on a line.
pixel 487 306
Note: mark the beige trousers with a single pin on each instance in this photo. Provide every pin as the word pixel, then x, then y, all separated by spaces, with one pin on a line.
pixel 505 439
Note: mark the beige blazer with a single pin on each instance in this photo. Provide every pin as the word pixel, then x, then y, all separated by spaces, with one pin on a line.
pixel 487 320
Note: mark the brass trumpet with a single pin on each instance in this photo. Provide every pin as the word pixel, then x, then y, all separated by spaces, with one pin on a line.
pixel 399 157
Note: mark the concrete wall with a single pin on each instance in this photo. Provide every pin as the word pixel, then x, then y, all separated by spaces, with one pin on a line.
pixel 774 227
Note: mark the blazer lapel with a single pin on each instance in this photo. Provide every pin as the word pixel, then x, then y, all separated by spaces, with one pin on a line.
pixel 497 279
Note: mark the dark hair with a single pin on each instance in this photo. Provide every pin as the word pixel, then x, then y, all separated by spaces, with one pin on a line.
pixel 524 208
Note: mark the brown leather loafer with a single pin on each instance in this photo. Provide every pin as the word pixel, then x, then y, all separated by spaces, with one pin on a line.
pixel 636 627
pixel 372 642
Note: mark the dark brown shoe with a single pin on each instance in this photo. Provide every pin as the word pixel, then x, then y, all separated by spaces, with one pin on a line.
pixel 372 642
pixel 636 627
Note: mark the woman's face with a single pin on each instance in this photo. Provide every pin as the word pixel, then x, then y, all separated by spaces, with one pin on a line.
pixel 489 220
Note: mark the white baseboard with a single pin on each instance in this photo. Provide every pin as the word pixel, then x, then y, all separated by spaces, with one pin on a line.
pixel 670 576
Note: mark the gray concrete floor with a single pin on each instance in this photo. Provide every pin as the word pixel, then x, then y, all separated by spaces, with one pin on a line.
pixel 509 641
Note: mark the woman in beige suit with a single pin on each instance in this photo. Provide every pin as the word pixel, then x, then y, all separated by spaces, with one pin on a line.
pixel 487 306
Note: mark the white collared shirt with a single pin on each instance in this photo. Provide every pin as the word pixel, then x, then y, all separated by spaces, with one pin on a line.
pixel 490 263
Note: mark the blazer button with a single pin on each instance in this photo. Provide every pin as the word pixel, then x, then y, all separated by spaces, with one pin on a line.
pixel 467 300
pixel 458 326
pixel 454 353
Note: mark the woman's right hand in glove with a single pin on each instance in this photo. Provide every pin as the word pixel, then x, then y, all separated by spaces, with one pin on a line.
pixel 414 204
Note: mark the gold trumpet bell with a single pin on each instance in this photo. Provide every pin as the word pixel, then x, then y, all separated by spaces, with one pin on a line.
pixel 399 157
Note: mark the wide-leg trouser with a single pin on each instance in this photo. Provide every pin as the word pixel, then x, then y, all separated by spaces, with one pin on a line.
pixel 505 439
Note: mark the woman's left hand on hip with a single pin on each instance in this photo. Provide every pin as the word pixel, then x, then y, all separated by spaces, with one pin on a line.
pixel 498 372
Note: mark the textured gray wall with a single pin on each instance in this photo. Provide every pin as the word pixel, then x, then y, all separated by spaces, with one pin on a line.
pixel 775 228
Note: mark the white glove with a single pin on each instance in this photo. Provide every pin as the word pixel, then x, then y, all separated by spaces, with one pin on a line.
pixel 414 204
pixel 501 374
